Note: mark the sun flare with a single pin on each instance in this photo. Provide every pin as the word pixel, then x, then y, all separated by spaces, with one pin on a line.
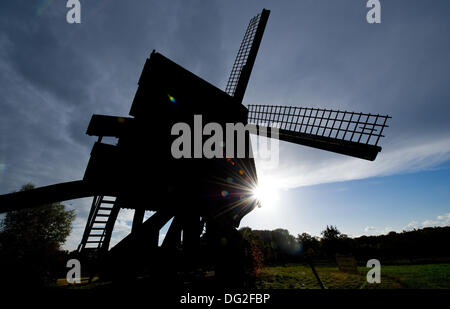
pixel 267 193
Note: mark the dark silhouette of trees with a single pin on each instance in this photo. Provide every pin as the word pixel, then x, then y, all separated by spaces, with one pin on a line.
pixel 416 246
pixel 30 242
pixel 330 233
pixel 310 244
pixel 277 246
pixel 333 241
pixel 285 245
pixel 253 253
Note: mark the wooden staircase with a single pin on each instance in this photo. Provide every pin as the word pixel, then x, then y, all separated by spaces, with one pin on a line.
pixel 100 223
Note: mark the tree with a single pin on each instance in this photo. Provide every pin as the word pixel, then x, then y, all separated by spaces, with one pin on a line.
pixel 333 241
pixel 310 244
pixel 286 245
pixel 253 246
pixel 31 239
pixel 330 233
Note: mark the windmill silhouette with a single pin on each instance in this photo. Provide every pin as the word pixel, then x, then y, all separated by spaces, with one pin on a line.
pixel 200 198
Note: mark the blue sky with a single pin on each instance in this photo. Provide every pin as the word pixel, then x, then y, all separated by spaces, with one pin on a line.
pixel 54 76
pixel 363 207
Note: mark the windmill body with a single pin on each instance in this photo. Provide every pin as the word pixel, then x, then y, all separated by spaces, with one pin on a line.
pixel 194 187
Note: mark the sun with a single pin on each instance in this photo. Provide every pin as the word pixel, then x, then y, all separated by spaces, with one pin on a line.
pixel 267 193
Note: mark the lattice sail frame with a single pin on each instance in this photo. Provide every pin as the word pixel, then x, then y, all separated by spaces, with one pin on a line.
pixel 351 133
pixel 242 55
pixel 243 64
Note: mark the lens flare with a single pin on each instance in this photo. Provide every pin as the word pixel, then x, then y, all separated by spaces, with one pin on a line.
pixel 43 6
pixel 172 99
pixel 267 193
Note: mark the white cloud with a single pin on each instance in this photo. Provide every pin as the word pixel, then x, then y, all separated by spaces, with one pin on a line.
pixel 82 208
pixel 161 238
pixel 317 167
pixel 74 238
pixel 122 227
pixel 412 225
pixel 444 217
pixel 443 220
pixel 369 229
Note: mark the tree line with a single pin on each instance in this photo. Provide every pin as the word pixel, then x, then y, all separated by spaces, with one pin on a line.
pixel 279 246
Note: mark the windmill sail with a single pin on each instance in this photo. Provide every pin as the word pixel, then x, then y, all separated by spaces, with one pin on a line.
pixel 348 133
pixel 245 59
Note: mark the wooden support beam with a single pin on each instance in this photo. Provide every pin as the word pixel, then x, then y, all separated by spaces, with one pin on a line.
pixel 51 194
pixel 138 218
pixel 173 236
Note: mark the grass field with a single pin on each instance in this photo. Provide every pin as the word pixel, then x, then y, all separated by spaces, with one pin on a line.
pixel 300 276
pixel 427 276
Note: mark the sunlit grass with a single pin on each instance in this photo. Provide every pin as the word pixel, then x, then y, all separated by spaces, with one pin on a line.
pixel 392 277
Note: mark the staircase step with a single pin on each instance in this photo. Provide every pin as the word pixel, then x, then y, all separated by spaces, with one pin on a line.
pixel 104 206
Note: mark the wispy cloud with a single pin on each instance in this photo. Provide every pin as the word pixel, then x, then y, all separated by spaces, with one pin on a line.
pixel 439 221
pixel 371 230
pixel 443 220
pixel 299 169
